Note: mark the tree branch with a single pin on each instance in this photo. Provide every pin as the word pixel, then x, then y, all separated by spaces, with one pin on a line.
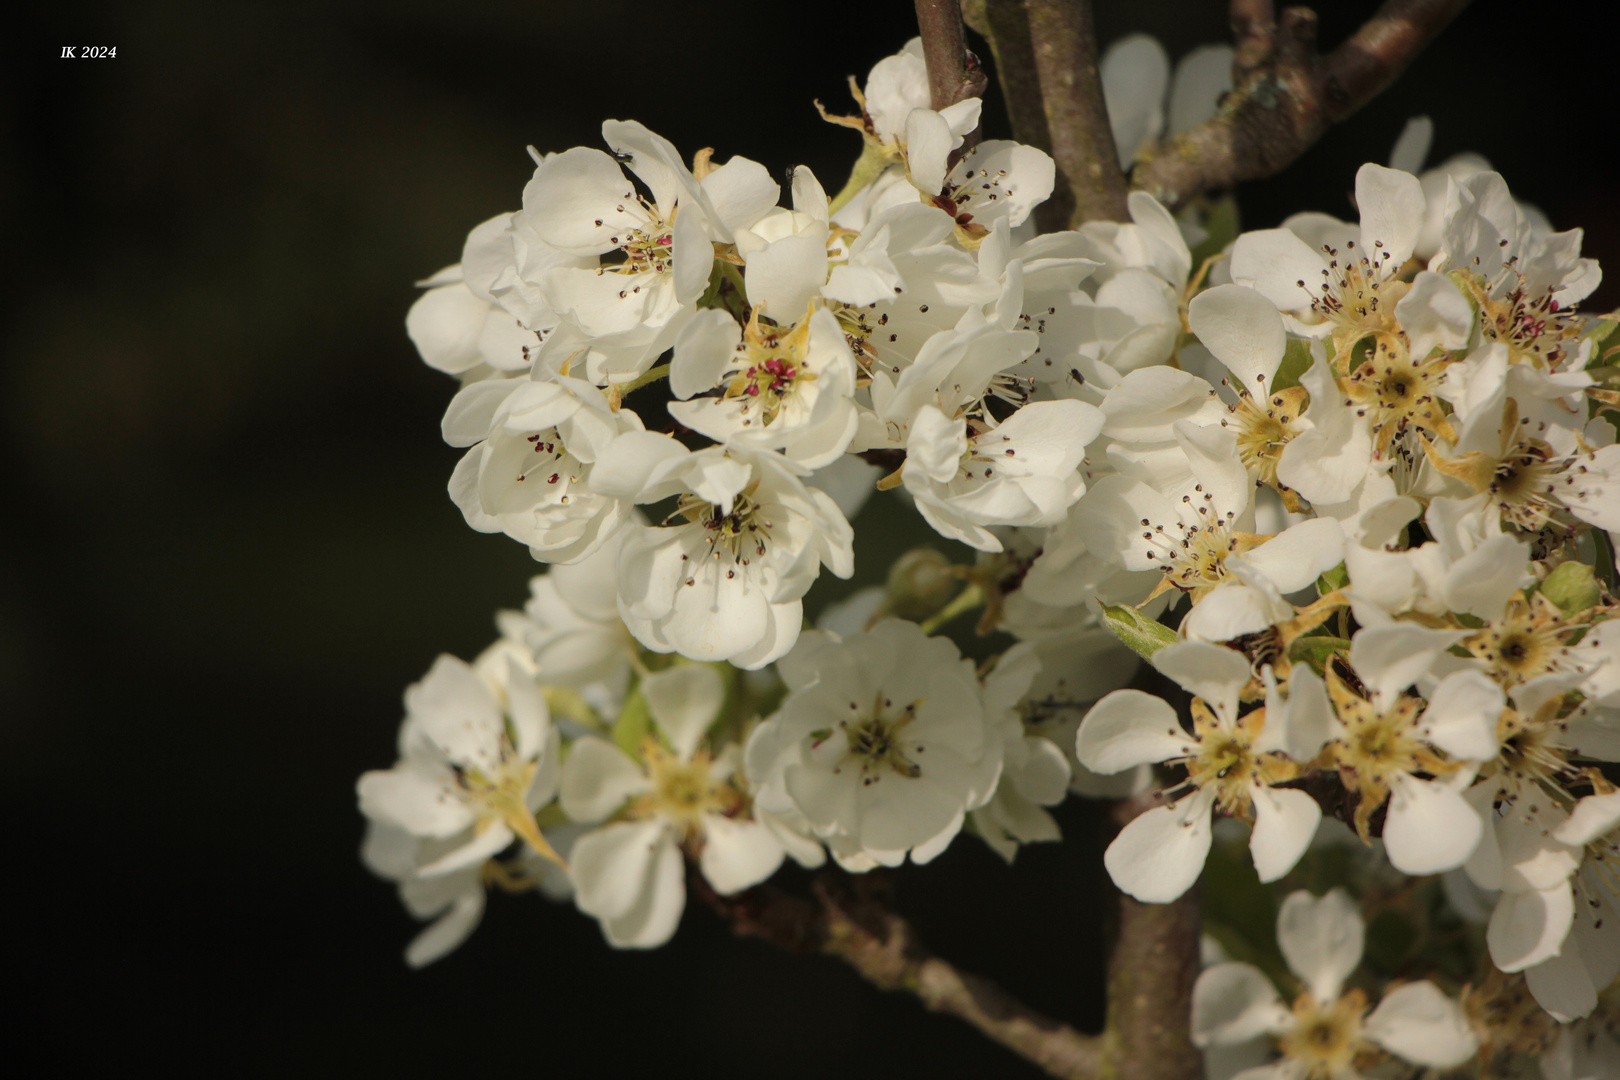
pixel 954 73
pixel 1286 95
pixel 858 928
pixel 1150 981
pixel 1064 43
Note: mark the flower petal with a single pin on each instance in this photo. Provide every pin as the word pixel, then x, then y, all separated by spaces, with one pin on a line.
pixel 1159 855
pixel 1129 728
pixel 1321 938
pixel 1284 823
pixel 1235 1002
pixel 684 701
pixel 1419 1023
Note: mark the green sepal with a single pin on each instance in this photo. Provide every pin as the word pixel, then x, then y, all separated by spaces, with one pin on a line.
pixel 1336 578
pixel 1141 635
pixel 1573 586
pixel 633 725
pixel 1317 650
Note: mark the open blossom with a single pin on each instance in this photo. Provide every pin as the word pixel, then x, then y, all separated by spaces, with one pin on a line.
pixel 1034 772
pixel 468 766
pixel 1328 1034
pixel 527 474
pixel 883 744
pixel 1234 763
pixel 782 386
pixel 629 873
pixel 967 474
pixel 580 202
pixel 723 578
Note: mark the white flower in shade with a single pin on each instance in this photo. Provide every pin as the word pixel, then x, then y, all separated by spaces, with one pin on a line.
pixel 883 743
pixel 954 371
pixel 781 386
pixel 468 766
pixel 1034 772
pixel 1233 764
pixel 1453 573
pixel 1329 1031
pixel 527 473
pixel 997 180
pixel 966 474
pixel 724 578
pixel 656 251
pixel 1567 984
pixel 460 333
pixel 1525 279
pixel 630 873
pixel 454 901
pixel 1385 736
pixel 1136 79
pixel 1589 1050
pixel 570 627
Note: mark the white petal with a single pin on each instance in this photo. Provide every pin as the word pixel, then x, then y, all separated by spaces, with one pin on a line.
pixel 1129 728
pixel 1235 1002
pixel 1279 265
pixel 1392 206
pixel 1213 672
pixel 1591 817
pixel 1562 986
pixel 1430 827
pixel 1245 332
pixel 1391 658
pixel 611 864
pixel 1135 75
pixel 1419 1023
pixel 738 854
pixel 1529 927
pixel 652 919
pixel 928 143
pixel 1202 77
pixel 1322 939
pixel 410 800
pixel 1462 715
pixel 1311 721
pixel 684 701
pixel 702 348
pixel 449 930
pixel 597 778
pixel 1297 556
pixel 1285 822
pixel 1159 855
pixel 1435 314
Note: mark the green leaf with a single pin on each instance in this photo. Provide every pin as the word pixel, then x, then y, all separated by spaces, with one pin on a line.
pixel 633 725
pixel 1317 649
pixel 1573 586
pixel 1141 634
pixel 1336 578
pixel 1295 362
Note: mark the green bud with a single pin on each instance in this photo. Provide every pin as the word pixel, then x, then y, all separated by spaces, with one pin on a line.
pixel 921 582
pixel 1573 587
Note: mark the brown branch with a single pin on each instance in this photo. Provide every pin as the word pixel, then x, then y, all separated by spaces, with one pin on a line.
pixel 858 928
pixel 1286 95
pixel 1150 982
pixel 1064 43
pixel 954 73
pixel 1005 25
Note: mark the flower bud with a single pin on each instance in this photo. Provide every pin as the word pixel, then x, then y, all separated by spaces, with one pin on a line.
pixel 920 583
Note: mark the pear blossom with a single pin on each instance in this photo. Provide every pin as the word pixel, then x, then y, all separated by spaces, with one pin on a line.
pixel 1034 772
pixel 1137 80
pixel 1329 1031
pixel 723 578
pixel 884 743
pixel 527 474
pixel 468 766
pixel 1234 764
pixel 966 474
pixel 629 873
pixel 1568 982
pixel 787 387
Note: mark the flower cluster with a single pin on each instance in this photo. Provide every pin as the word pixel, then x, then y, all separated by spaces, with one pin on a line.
pixel 1349 486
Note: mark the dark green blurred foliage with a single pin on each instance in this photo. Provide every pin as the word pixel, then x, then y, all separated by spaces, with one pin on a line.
pixel 227 548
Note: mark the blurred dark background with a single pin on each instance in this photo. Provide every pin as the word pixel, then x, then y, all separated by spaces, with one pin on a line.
pixel 226 545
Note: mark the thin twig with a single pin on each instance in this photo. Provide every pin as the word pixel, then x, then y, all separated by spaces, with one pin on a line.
pixel 1286 95
pixel 858 928
pixel 954 73
pixel 1064 43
